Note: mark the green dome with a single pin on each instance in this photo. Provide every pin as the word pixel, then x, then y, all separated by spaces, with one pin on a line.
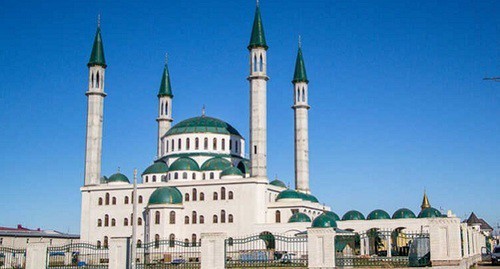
pixel 308 197
pixel 403 213
pixel 278 183
pixel 231 171
pixel 216 163
pixel 332 215
pixel 156 168
pixel 289 194
pixel 324 221
pixel 430 212
pixel 165 195
pixel 118 177
pixel 203 124
pixel 184 163
pixel 353 215
pixel 378 214
pixel 299 217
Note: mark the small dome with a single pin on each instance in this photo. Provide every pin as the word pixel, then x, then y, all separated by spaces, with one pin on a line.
pixel 403 213
pixel 203 124
pixel 353 215
pixel 308 197
pixel 324 221
pixel 332 215
pixel 378 214
pixel 231 171
pixel 289 194
pixel 118 177
pixel 184 163
pixel 278 183
pixel 299 217
pixel 216 163
pixel 156 168
pixel 165 195
pixel 429 213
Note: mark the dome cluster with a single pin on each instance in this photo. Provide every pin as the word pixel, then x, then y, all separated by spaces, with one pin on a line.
pixel 402 213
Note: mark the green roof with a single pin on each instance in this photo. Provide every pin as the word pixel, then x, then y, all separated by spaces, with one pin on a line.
pixel 403 213
pixel 430 212
pixel 97 55
pixel 289 194
pixel 118 177
pixel 300 69
pixel 184 163
pixel 165 87
pixel 203 124
pixel 215 163
pixel 165 195
pixel 332 215
pixel 299 217
pixel 156 168
pixel 278 183
pixel 231 171
pixel 257 39
pixel 324 221
pixel 378 214
pixel 353 215
pixel 308 197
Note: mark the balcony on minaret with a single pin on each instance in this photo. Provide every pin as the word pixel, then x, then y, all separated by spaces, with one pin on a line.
pixel 258 66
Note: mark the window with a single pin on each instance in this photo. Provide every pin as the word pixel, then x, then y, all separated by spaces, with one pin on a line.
pixel 230 195
pixel 100 201
pixel 230 144
pixel 202 219
pixel 223 144
pixel 113 200
pixel 193 240
pixel 107 199
pixel 254 149
pixel 176 176
pixel 163 178
pixel 157 240
pixel 184 175
pixel 173 146
pixel 139 221
pixel 187 144
pixel 214 144
pixel 186 242
pixel 139 243
pixel 154 178
pixel 99 222
pixel 194 176
pixel 186 220
pixel 236 146
pixel 222 216
pixel 204 176
pixel 166 108
pixel 172 217
pixel 205 143
pixel 202 196
pixel 97 79
pixel 215 219
pixel 157 217
pixel 140 199
pixel 194 217
pixel 216 196
pixel 92 80
pixel 196 143
pixel 105 242
pixel 167 145
pixel 125 200
pixel 261 64
pixel 161 110
pixel 255 63
pixel 230 218
pixel 106 220
pixel 113 222
pixel 186 197
pixel 195 194
pixel 223 193
pixel 171 240
pixel 125 222
pixel 278 216
pixel 211 175
pixel 98 243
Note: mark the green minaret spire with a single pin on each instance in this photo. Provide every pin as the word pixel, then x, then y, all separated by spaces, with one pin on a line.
pixel 97 56
pixel 300 68
pixel 165 87
pixel 258 38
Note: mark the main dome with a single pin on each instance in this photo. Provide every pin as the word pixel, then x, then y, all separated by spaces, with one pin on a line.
pixel 203 124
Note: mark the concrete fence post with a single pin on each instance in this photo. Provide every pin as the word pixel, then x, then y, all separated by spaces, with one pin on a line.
pixel 36 255
pixel 321 248
pixel 213 254
pixel 119 253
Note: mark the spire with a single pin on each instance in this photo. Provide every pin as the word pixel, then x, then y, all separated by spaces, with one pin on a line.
pixel 257 38
pixel 165 87
pixel 300 68
pixel 97 55
pixel 425 202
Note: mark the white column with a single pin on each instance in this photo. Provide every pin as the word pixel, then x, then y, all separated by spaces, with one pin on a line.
pixel 362 246
pixel 213 250
pixel 301 122
pixel 389 246
pixel 465 237
pixel 36 255
pixel 321 247
pixel 119 253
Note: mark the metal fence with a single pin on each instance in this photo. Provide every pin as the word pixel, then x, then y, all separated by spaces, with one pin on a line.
pixel 266 250
pixel 168 254
pixel 77 255
pixel 386 262
pixel 12 258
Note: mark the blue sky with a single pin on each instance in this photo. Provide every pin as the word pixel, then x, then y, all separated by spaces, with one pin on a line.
pixel 398 101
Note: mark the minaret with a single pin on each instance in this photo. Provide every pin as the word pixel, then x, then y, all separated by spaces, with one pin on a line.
pixel 301 107
pixel 258 99
pixel 95 104
pixel 164 108
pixel 425 202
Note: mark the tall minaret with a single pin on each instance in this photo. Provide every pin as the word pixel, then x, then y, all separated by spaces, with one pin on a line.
pixel 95 104
pixel 301 107
pixel 258 99
pixel 164 108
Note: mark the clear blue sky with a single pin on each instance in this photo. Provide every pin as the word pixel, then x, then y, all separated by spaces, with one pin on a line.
pixel 398 101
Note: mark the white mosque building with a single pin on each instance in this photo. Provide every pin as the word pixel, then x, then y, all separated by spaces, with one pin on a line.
pixel 202 182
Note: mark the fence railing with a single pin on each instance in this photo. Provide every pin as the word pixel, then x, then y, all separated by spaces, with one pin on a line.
pixel 12 258
pixel 266 250
pixel 77 255
pixel 168 254
pixel 386 262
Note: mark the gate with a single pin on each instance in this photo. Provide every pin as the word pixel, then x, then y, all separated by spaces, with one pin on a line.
pixel 168 254
pixel 12 258
pixel 77 255
pixel 266 250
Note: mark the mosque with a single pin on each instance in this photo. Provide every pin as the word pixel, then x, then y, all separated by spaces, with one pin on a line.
pixel 201 181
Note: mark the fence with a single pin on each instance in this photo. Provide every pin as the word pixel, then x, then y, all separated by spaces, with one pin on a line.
pixel 12 258
pixel 168 254
pixel 77 255
pixel 266 250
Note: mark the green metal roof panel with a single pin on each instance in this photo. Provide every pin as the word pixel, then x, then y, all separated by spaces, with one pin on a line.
pixel 257 39
pixel 308 197
pixel 183 164
pixel 353 215
pixel 215 163
pixel 430 212
pixel 165 195
pixel 118 177
pixel 324 221
pixel 165 86
pixel 289 194
pixel 97 55
pixel 332 215
pixel 378 214
pixel 203 124
pixel 231 171
pixel 156 168
pixel 300 69
pixel 403 213
pixel 299 217
pixel 278 183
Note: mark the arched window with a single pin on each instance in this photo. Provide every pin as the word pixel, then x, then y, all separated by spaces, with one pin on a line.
pixel 236 146
pixel 154 178
pixel 278 216
pixel 230 144
pixel 125 222
pixel 113 201
pixel 194 176
pixel 139 221
pixel 97 79
pixel 113 222
pixel 176 176
pixel 185 175
pixel 223 193
pixel 196 143
pixel 92 80
pixel 157 240
pixel 173 146
pixel 202 196
pixel 303 95
pixel 187 144
pixel 186 242
pixel 204 176
pixel 166 108
pixel 223 144
pixel 106 220
pixel 195 194
pixel 99 222
pixel 161 110
pixel 255 63
pixel 193 240
pixel 98 243
pixel 230 218
pixel 157 217
pixel 215 220
pixel 214 144
pixel 194 217
pixel 222 216
pixel 139 243
pixel 99 201
pixel 186 220
pixel 186 197
pixel 169 176
pixel 211 175
pixel 202 219
pixel 140 199
pixel 163 178
pixel 166 145
pixel 171 240
pixel 230 195
pixel 125 200
pixel 179 144
pixel 172 217
pixel 107 199
pixel 261 63
pixel 205 143
pixel 216 196
pixel 105 242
